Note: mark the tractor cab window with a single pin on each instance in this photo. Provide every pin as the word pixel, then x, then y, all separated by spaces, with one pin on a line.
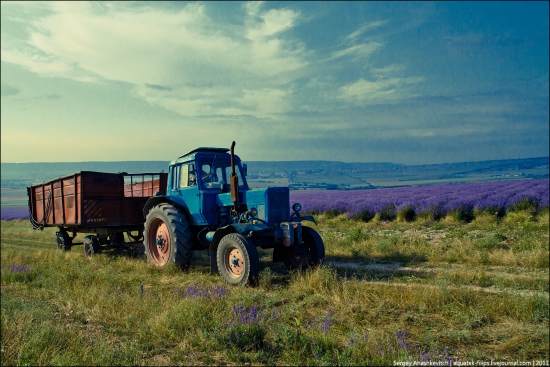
pixel 187 175
pixel 216 171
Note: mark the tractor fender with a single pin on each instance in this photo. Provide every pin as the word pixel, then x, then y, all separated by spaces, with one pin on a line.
pixel 159 199
pixel 301 218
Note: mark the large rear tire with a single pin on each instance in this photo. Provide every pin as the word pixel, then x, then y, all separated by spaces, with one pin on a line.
pixel 237 259
pixel 311 253
pixel 167 237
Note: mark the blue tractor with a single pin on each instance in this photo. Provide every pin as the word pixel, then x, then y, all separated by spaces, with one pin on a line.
pixel 208 205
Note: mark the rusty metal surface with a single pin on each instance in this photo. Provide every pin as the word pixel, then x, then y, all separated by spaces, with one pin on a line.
pixel 94 199
pixel 292 233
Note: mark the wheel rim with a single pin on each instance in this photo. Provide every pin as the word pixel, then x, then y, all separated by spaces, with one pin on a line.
pixel 234 262
pixel 60 242
pixel 158 242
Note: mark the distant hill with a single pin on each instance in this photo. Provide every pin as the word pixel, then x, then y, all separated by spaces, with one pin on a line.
pixel 306 174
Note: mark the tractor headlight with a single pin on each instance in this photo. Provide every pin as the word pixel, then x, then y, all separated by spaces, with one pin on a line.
pixel 297 207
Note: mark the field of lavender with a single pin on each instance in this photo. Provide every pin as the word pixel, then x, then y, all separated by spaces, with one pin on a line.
pixel 14 212
pixel 464 200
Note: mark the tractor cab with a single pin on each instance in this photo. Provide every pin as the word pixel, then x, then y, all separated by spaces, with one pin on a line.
pixel 198 178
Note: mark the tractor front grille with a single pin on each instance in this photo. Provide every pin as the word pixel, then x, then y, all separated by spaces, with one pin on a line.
pixel 278 206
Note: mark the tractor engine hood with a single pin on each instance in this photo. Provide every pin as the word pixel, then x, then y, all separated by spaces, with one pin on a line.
pixel 272 203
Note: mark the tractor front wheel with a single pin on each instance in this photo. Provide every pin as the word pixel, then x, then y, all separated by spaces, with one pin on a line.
pixel 237 259
pixel 167 237
pixel 310 253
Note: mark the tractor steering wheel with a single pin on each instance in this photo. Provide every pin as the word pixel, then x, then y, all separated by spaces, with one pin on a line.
pixel 210 177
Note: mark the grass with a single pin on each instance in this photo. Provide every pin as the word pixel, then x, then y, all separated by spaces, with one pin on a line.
pixel 413 291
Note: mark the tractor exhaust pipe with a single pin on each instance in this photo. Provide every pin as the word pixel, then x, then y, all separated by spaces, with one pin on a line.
pixel 234 179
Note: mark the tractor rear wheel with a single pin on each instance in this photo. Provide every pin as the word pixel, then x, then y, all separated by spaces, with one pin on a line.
pixel 91 246
pixel 310 253
pixel 64 242
pixel 167 237
pixel 237 259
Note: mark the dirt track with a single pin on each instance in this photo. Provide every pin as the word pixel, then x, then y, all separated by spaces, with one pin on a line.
pixel 396 268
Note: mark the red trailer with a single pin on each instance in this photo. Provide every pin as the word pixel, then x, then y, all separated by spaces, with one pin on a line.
pixel 107 205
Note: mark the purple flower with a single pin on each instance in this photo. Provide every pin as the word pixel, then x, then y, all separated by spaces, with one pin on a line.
pixel 244 316
pixel 402 338
pixel 18 269
pixel 194 291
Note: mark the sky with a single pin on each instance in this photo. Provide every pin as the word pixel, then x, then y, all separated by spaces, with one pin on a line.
pixel 401 82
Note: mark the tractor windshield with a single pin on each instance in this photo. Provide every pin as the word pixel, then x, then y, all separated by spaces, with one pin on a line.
pixel 215 171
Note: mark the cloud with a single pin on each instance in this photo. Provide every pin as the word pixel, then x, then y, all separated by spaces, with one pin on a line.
pixel 51 97
pixel 387 70
pixel 168 51
pixel 381 89
pixel 36 61
pixel 180 58
pixel 358 51
pixel 364 28
pixel 158 87
pixel 273 21
pixel 8 90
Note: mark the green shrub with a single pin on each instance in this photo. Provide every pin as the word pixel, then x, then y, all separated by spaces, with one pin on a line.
pixel 529 205
pixel 265 278
pixel 356 235
pixel 498 212
pixel 406 214
pixel 463 214
pixel 332 213
pixel 243 337
pixel 425 216
pixel 365 215
pixel 388 213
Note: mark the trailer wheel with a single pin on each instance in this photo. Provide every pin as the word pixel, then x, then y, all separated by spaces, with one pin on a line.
pixel 167 237
pixel 91 246
pixel 237 259
pixel 64 242
pixel 311 253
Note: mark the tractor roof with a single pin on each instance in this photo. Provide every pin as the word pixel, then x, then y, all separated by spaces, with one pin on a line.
pixel 206 150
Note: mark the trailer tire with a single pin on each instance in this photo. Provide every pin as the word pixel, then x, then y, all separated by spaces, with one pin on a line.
pixel 313 251
pixel 237 259
pixel 135 237
pixel 91 246
pixel 167 237
pixel 64 242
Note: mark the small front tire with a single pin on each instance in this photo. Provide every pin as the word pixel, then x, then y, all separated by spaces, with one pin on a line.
pixel 237 259
pixel 311 253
